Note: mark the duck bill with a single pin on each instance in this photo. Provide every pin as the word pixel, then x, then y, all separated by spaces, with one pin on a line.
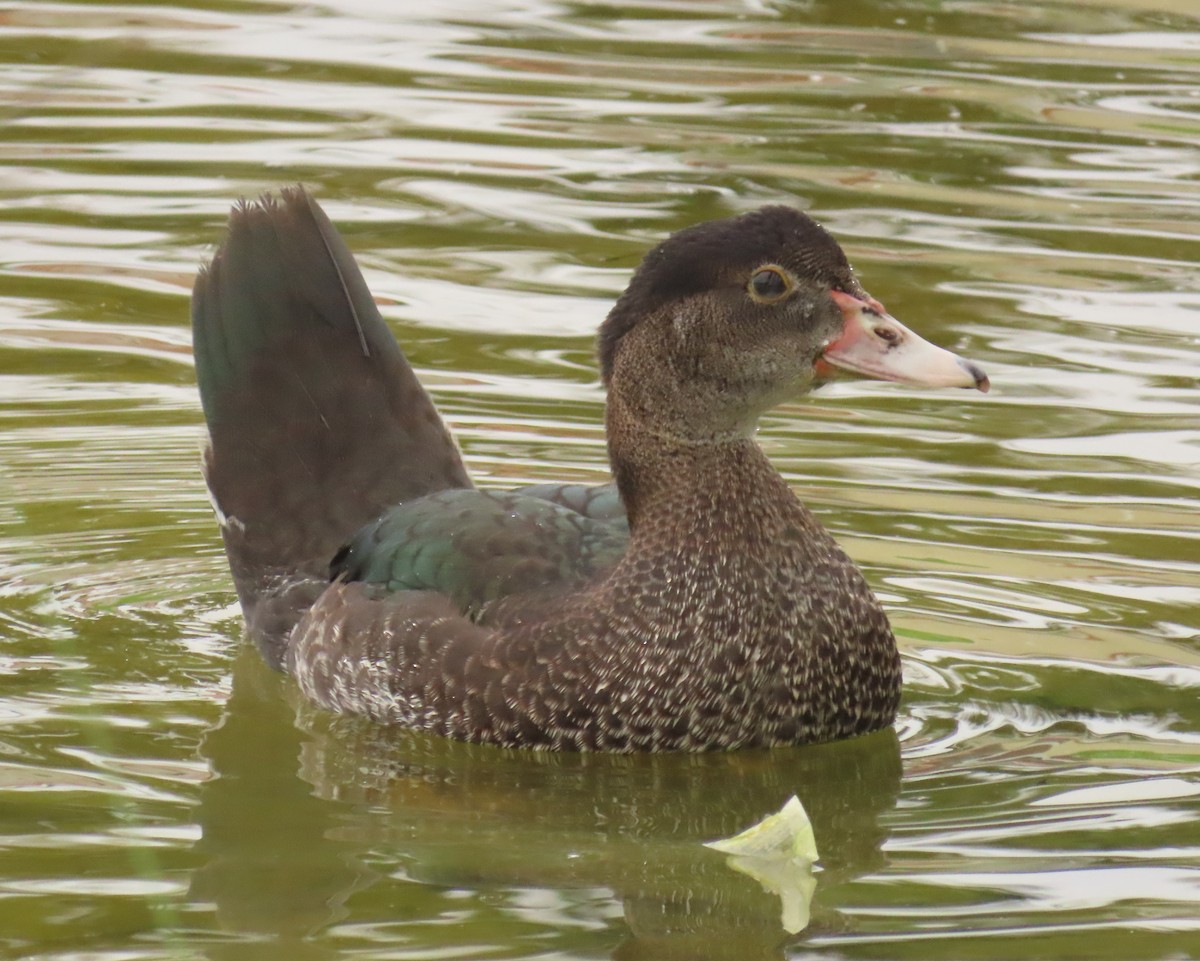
pixel 875 344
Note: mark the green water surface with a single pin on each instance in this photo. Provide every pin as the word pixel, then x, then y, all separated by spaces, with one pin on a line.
pixel 1019 181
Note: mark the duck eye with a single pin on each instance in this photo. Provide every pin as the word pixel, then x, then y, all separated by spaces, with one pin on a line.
pixel 768 285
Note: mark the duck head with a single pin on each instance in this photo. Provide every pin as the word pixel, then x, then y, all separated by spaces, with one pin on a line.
pixel 724 320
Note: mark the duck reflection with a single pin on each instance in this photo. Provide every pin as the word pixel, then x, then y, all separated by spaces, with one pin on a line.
pixel 310 815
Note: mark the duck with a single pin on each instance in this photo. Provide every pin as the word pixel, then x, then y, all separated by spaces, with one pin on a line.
pixel 692 603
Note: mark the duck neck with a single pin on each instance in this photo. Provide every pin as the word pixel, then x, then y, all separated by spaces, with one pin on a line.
pixel 663 477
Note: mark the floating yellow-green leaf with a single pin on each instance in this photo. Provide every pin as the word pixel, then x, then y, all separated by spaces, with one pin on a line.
pixel 778 852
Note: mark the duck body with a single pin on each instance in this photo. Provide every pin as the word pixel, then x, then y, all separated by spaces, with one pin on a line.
pixel 696 605
pixel 659 641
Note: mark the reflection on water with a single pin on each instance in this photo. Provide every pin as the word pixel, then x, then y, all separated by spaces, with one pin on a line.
pixel 611 836
pixel 1018 181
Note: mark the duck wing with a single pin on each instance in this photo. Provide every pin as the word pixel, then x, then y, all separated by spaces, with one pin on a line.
pixel 480 547
pixel 598 501
pixel 316 420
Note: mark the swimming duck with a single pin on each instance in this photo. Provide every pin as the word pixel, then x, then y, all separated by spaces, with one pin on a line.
pixel 696 604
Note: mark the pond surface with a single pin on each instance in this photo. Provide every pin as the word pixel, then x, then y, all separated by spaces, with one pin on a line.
pixel 1018 181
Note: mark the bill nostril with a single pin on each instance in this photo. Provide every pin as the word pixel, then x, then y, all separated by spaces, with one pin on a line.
pixel 888 335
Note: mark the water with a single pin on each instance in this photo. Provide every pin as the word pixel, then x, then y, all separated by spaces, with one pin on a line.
pixel 1020 182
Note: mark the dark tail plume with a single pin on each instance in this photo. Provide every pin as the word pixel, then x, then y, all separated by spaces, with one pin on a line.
pixel 316 420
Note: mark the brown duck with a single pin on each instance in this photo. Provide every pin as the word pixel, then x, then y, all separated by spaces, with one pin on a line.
pixel 704 607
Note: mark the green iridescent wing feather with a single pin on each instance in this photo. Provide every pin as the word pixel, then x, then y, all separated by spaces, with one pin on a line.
pixel 481 546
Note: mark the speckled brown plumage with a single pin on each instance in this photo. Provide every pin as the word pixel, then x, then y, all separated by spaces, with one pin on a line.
pixel 706 608
pixel 732 620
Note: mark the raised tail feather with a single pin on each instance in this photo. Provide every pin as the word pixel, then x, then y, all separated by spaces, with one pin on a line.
pixel 316 420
